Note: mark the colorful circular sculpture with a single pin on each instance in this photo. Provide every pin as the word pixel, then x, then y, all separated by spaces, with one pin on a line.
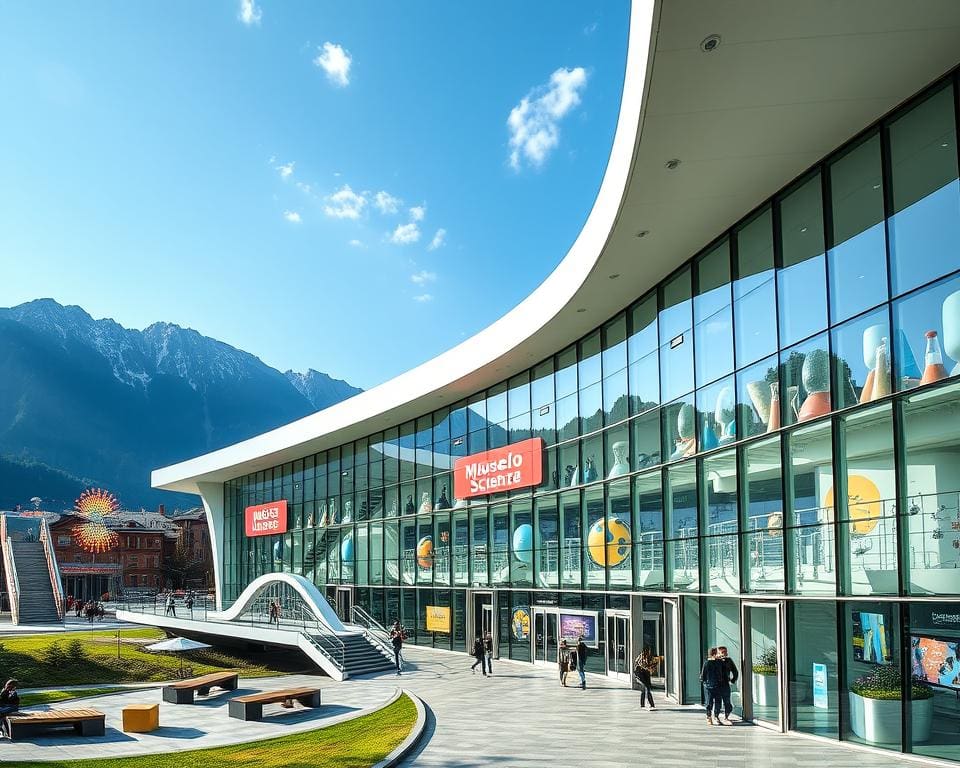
pixel 95 506
pixel 608 542
pixel 346 549
pixel 523 543
pixel 863 504
pixel 425 552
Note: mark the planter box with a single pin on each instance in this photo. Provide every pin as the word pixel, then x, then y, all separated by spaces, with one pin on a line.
pixel 878 720
pixel 766 691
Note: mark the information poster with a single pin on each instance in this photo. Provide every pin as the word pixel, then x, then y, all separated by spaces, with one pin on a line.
pixel 573 626
pixel 438 618
pixel 820 689
pixel 520 625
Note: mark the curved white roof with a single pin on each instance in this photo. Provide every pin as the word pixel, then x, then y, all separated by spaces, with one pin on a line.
pixel 788 84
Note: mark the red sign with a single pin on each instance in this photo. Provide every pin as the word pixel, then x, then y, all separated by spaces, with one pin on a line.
pixel 266 519
pixel 502 469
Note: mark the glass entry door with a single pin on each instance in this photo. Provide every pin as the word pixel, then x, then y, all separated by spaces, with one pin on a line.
pixel 345 603
pixel 619 662
pixel 763 664
pixel 671 649
pixel 546 625
pixel 652 643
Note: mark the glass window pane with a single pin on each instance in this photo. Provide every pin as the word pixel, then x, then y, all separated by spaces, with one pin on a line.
pixel 857 257
pixel 588 367
pixel 861 362
pixel 719 488
pixel 615 345
pixel 676 339
pixel 813 661
pixel 931 437
pixel 645 442
pixel 541 388
pixel 717 422
pixel 928 335
pixel 762 510
pixel 682 520
pixel 754 302
pixel 758 388
pixel 713 316
pixel 648 527
pixel 548 542
pixel 642 356
pixel 865 502
pixel 571 553
pixel 679 429
pixel 518 395
pixel 805 381
pixel 802 280
pixel 925 227
pixel 566 375
pixel 933 699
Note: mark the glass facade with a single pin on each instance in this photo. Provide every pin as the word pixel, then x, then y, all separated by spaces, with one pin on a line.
pixel 763 452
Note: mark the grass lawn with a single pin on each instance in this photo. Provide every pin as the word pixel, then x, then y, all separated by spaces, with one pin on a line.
pixel 87 658
pixel 360 742
pixel 52 696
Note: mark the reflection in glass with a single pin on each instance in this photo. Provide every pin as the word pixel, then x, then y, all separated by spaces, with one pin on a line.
pixel 810 536
pixel 754 301
pixel 928 334
pixel 645 441
pixel 758 399
pixel 676 339
pixel 861 361
pixel 719 492
pixel 679 429
pixel 762 521
pixel 712 315
pixel 805 381
pixel 648 531
pixel 716 415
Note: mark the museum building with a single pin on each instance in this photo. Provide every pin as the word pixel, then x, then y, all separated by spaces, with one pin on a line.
pixel 730 416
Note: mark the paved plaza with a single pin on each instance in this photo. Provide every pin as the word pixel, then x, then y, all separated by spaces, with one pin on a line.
pixel 521 716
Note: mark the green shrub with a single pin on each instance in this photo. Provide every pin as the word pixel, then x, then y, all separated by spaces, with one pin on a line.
pixel 883 683
pixel 76 651
pixel 54 655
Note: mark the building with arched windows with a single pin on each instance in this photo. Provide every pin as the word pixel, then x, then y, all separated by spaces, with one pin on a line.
pixel 730 416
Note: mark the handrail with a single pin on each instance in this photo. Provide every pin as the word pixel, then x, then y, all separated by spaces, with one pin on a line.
pixel 13 583
pixel 368 624
pixel 52 568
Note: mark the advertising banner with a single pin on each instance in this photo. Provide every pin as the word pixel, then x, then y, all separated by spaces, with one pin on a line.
pixel 266 519
pixel 520 625
pixel 820 690
pixel 575 625
pixel 438 618
pixel 519 465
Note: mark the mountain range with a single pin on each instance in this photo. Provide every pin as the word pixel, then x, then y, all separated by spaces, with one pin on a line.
pixel 86 401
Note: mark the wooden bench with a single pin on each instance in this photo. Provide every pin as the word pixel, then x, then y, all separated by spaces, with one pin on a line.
pixel 251 707
pixel 86 722
pixel 182 691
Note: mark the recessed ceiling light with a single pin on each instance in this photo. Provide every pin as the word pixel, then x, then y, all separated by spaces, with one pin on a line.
pixel 710 43
pixel 614 276
pixel 945 144
pixel 672 165
pixel 803 229
pixel 643 233
pixel 581 310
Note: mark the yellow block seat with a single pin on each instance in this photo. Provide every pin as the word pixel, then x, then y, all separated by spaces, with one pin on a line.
pixel 141 718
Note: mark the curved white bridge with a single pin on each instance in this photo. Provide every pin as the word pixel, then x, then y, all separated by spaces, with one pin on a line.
pixel 312 597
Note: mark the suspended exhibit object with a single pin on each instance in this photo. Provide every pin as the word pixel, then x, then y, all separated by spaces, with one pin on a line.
pixel 426 506
pixel 96 506
pixel 906 361
pixel 725 414
pixel 608 542
pixel 774 423
pixel 346 548
pixel 816 381
pixel 347 512
pixel 425 552
pixel 686 442
pixel 523 543
pixel 881 369
pixel 933 368
pixel 951 329
pixel 621 464
pixel 760 396
pixel 873 336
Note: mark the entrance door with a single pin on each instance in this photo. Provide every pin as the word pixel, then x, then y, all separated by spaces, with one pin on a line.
pixel 653 642
pixel 546 624
pixel 344 603
pixel 481 619
pixel 671 649
pixel 619 662
pixel 763 664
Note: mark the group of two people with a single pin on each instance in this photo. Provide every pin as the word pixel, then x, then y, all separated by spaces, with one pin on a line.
pixel 9 702
pixel 397 635
pixel 572 658
pixel 717 675
pixel 483 653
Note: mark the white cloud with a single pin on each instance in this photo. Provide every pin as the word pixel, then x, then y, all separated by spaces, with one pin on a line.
pixel 418 212
pixel 534 122
pixel 386 203
pixel 335 61
pixel 356 244
pixel 305 188
pixel 423 298
pixel 405 234
pixel 438 239
pixel 345 204
pixel 250 12
pixel 423 277
pixel 292 216
pixel 286 170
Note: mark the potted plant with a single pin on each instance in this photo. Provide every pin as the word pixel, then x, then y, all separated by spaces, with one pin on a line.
pixel 875 706
pixel 765 681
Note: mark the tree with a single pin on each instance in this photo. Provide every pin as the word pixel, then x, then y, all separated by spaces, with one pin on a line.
pixel 181 567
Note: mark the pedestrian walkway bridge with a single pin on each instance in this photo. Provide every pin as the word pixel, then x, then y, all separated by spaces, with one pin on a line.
pixel 306 622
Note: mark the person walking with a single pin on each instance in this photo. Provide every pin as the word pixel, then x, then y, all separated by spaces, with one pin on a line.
pixel 711 675
pixel 78 607
pixel 189 604
pixel 643 672
pixel 730 676
pixel 397 636
pixel 479 653
pixel 9 702
pixel 563 661
pixel 274 612
pixel 582 662
pixel 171 606
pixel 488 652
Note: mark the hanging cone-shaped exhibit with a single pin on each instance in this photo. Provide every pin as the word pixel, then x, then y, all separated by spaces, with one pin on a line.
pixel 881 372
pixel 774 423
pixel 933 368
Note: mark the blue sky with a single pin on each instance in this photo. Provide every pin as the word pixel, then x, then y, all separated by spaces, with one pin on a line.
pixel 351 187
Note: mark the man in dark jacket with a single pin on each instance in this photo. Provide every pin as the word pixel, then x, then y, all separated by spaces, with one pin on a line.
pixel 582 661
pixel 397 635
pixel 712 676
pixel 9 702
pixel 730 675
pixel 479 653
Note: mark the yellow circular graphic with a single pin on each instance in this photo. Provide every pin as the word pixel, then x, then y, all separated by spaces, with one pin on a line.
pixel 609 542
pixel 863 503
pixel 425 552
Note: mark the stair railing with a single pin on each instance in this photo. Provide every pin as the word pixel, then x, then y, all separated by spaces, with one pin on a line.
pixel 10 569
pixel 330 646
pixel 52 568
pixel 372 629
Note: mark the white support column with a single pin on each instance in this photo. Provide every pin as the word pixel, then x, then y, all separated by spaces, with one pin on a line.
pixel 212 496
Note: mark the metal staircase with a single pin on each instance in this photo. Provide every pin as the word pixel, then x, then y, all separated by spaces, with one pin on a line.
pixel 37 600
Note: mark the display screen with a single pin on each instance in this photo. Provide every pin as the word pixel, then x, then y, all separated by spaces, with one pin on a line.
pixel 870 642
pixel 576 625
pixel 935 661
